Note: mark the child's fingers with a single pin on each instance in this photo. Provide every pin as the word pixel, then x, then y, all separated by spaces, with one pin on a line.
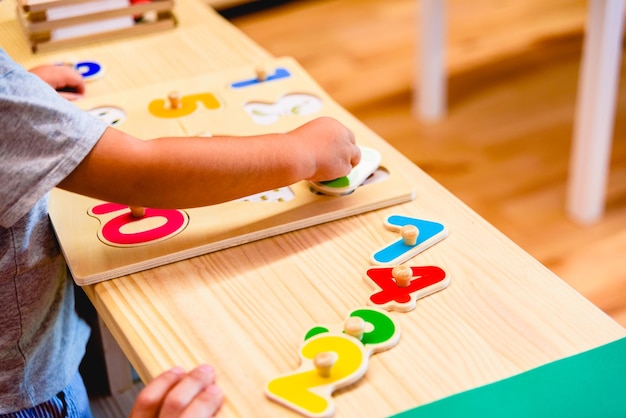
pixel 205 404
pixel 61 78
pixel 149 400
pixel 69 95
pixel 356 156
pixel 190 391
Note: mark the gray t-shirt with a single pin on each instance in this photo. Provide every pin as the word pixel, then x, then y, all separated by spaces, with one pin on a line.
pixel 43 137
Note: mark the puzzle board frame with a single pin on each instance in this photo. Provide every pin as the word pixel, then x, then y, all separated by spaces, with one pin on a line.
pixel 43 20
pixel 232 223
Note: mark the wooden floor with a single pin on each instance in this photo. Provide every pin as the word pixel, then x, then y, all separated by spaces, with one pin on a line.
pixel 503 147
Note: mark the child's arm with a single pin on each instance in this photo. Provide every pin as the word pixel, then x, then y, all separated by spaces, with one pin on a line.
pixel 191 172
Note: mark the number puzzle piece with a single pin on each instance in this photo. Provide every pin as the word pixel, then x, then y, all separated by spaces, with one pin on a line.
pixel 425 280
pixel 370 161
pixel 188 105
pixel 278 74
pixel 308 390
pixel 119 228
pixel 397 252
pixel 89 70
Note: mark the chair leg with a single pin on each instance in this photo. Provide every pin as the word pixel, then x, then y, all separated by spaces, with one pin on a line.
pixel 595 111
pixel 118 368
pixel 429 97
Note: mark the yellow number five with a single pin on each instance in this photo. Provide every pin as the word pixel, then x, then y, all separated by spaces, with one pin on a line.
pixel 189 104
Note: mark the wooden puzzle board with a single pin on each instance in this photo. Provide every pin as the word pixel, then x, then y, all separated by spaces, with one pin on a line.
pixel 233 223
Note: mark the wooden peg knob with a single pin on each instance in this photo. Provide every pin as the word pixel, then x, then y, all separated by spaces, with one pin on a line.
pixel 137 211
pixel 402 275
pixel 175 100
pixel 354 326
pixel 261 73
pixel 409 235
pixel 324 363
pixel 151 16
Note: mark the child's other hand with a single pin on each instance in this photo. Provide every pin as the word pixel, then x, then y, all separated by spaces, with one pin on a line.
pixel 329 146
pixel 65 80
pixel 178 394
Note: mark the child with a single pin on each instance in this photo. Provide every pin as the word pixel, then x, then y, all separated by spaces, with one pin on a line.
pixel 47 142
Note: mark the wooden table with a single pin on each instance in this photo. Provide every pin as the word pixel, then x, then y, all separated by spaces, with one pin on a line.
pixel 245 309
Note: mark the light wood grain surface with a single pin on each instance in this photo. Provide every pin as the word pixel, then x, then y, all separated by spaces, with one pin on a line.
pixel 245 309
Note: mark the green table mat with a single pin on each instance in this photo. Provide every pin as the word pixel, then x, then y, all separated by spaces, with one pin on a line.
pixel 590 384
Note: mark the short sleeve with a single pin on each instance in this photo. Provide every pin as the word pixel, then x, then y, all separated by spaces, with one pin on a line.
pixel 43 137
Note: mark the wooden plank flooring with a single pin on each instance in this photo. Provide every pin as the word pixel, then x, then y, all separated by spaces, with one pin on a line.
pixel 503 147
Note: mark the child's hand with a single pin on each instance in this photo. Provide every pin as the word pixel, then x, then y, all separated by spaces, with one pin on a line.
pixel 329 146
pixel 177 394
pixel 65 80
